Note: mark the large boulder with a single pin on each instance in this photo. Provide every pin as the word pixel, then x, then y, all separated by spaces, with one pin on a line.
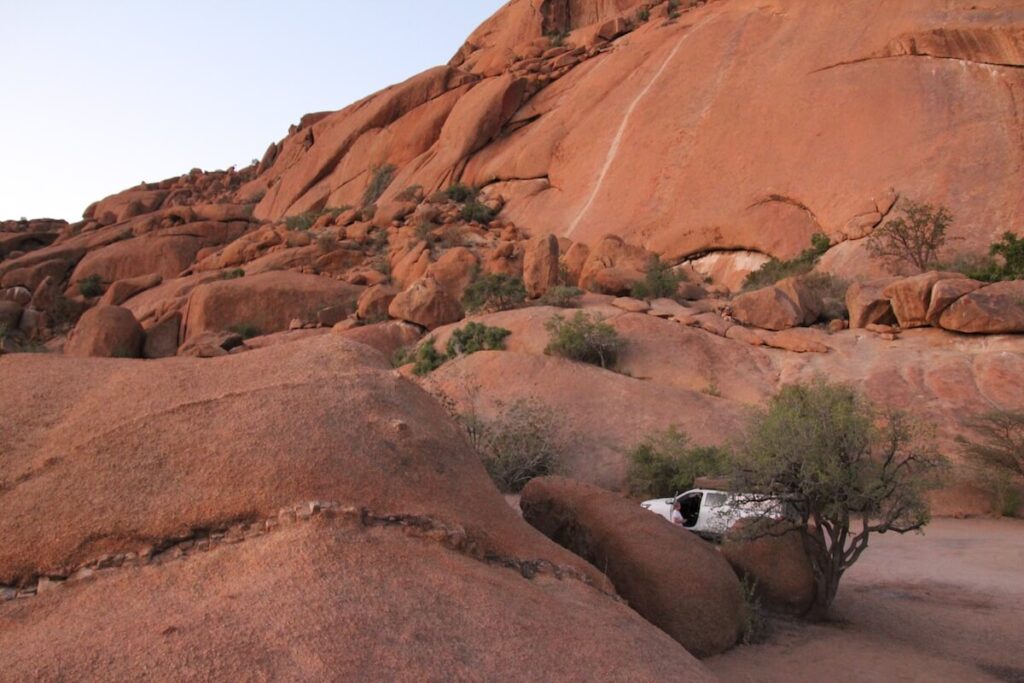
pixel 675 579
pixel 374 302
pixel 122 290
pixel 613 266
pixel 264 303
pixel 106 332
pixel 540 264
pixel 769 308
pixel 302 492
pixel 162 337
pixel 868 304
pixel 911 297
pixel 427 304
pixel 387 337
pixel 454 271
pixel 995 309
pixel 944 293
pixel 775 564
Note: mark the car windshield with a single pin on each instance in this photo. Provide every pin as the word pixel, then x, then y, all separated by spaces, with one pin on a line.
pixel 716 499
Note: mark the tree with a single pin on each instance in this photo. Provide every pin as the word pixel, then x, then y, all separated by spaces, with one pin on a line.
pixel 494 292
pixel 845 471
pixel 916 237
pixel 998 454
pixel 666 463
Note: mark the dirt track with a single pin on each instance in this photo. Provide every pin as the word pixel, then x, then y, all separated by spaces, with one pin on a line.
pixel 945 606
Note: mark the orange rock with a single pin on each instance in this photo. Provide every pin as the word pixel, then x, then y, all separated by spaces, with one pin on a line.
pixel 995 309
pixel 540 264
pixel 374 302
pixel 910 297
pixel 868 305
pixel 769 308
pixel 122 290
pixel 427 304
pixel 776 564
pixel 454 271
pixel 945 292
pixel 266 303
pixel 667 573
pixel 106 332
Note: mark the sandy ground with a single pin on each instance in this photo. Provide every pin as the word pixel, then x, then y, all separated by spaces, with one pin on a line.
pixel 944 606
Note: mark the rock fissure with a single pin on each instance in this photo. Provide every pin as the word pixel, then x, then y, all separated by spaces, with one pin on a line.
pixel 156 551
pixel 961 60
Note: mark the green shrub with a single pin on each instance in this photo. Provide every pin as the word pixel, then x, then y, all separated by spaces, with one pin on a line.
pixel 561 296
pixel 232 274
pixel 518 445
pixel 915 237
pixel 380 180
pixel 327 242
pixel 477 212
pixel 426 359
pixel 90 286
pixel 556 38
pixel 666 463
pixel 643 15
pixel 459 193
pixel 584 338
pixel 660 281
pixel 410 194
pixel 245 330
pixel 494 292
pixel 302 221
pixel 474 337
pixel 775 269
pixel 1005 261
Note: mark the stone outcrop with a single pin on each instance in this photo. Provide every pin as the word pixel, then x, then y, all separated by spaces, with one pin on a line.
pixel 673 578
pixel 244 495
pixel 994 309
pixel 769 308
pixel 106 332
pixel 911 297
pixel 427 304
pixel 868 305
pixel 540 264
pixel 266 303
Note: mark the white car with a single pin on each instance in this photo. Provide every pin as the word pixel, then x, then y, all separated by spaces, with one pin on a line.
pixel 712 513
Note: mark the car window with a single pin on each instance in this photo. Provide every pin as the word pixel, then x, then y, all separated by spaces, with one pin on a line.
pixel 715 500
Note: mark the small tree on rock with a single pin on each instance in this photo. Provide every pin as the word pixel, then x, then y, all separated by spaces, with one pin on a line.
pixel 997 452
pixel 916 237
pixel 845 471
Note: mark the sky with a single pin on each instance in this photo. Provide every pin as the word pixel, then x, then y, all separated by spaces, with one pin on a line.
pixel 96 97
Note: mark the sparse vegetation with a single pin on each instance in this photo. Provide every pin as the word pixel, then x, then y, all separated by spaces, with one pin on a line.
pixel 845 471
pixel 90 287
pixel 410 194
pixel 755 626
pixel 561 296
pixel 660 281
pixel 673 9
pixel 327 242
pixel 245 330
pixel 519 444
pixel 556 38
pixel 776 269
pixel 475 211
pixel 473 337
pixel 1004 261
pixel 997 454
pixel 494 292
pixel 666 463
pixel 380 180
pixel 464 341
pixel 232 274
pixel 459 193
pixel 643 15
pixel 584 338
pixel 915 238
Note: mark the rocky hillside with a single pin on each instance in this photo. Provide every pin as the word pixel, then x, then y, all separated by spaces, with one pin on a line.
pixel 214 430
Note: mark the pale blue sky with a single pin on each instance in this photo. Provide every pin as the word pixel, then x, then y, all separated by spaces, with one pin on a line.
pixel 98 96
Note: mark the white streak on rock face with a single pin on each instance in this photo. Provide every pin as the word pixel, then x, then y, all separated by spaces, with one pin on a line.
pixel 613 151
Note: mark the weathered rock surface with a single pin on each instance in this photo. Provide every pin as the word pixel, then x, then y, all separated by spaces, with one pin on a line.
pixel 427 304
pixel 106 332
pixel 911 297
pixel 303 490
pixel 776 565
pixel 675 579
pixel 868 304
pixel 267 302
pixel 769 308
pixel 540 264
pixel 995 309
